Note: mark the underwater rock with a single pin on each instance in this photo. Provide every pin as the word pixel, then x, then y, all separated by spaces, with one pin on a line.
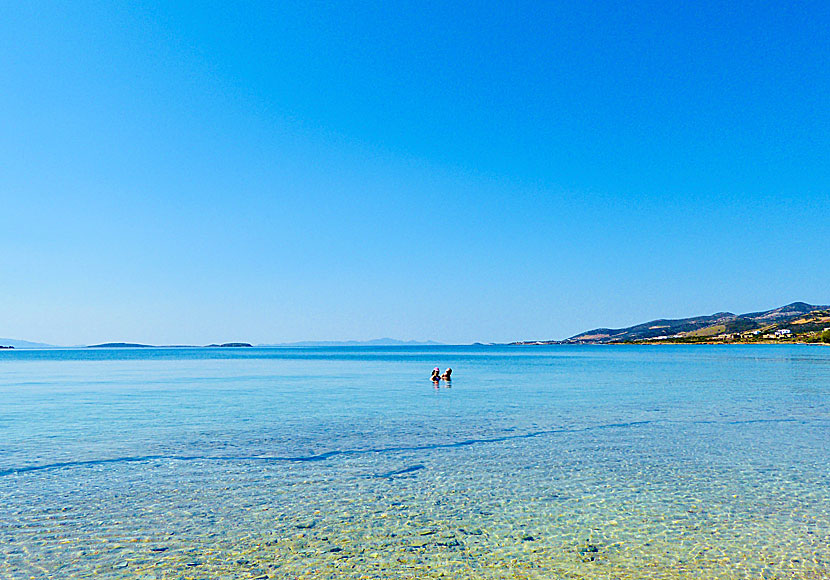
pixel 449 543
pixel 589 552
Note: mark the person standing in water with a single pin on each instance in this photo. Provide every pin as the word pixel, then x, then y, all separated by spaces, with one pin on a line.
pixel 447 375
pixel 436 375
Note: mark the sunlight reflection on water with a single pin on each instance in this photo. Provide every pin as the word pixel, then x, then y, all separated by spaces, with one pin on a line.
pixel 559 462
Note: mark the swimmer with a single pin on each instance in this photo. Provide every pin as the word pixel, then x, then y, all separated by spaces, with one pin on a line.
pixel 447 376
pixel 436 375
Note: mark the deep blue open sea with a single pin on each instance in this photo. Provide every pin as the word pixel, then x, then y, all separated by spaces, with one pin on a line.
pixel 558 462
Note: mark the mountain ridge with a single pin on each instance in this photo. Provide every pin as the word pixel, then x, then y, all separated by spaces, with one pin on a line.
pixel 17 343
pixel 373 342
pixel 720 324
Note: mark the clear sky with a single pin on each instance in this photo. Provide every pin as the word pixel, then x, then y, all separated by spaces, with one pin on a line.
pixel 457 172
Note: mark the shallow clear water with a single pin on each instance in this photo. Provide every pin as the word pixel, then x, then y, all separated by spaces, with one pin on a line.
pixel 539 462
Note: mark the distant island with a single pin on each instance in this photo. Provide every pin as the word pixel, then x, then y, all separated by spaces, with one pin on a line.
pixel 137 345
pixel 10 343
pixel 798 322
pixel 373 342
pixel 120 345
pixel 17 343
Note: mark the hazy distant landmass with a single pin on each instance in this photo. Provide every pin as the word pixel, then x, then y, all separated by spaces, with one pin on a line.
pixel 23 343
pixel 137 345
pixel 374 342
pixel 19 344
pixel 796 322
pixel 120 345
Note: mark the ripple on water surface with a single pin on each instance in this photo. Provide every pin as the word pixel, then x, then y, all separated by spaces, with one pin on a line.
pixel 719 491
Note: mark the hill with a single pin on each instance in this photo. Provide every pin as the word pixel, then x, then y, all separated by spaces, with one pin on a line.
pixel 796 321
pixel 120 345
pixel 23 343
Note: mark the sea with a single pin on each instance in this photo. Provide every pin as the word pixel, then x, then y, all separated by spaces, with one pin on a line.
pixel 535 462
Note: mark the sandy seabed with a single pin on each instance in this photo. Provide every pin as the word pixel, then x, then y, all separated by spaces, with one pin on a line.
pixel 622 502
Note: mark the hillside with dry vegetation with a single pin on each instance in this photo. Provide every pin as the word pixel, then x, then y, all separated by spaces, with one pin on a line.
pixel 798 322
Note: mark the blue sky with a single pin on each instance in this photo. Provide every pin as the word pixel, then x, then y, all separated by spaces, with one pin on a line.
pixel 458 173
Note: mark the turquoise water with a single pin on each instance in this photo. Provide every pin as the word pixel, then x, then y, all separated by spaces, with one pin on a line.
pixel 539 462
